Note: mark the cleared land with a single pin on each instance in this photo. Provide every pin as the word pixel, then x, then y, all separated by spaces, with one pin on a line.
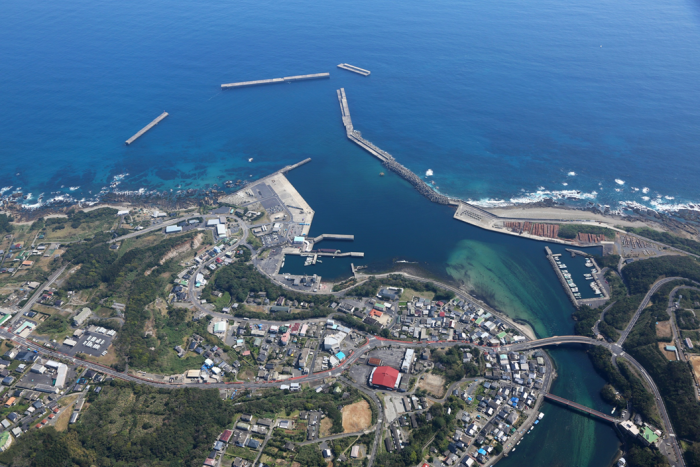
pixel 356 417
pixel 434 384
pixel 669 355
pixel 663 329
pixel 325 427
pixel 695 362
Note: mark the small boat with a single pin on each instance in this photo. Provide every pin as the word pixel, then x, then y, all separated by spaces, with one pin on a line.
pixel 613 411
pixel 381 174
pixel 250 160
pixel 540 416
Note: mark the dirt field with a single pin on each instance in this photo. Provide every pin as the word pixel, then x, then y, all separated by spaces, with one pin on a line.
pixel 669 355
pixel 434 384
pixel 325 427
pixel 356 417
pixel 695 362
pixel 663 329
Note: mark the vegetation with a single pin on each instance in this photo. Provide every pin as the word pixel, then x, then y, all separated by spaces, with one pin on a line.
pixel 639 456
pixel 54 324
pixel 437 429
pixel 572 230
pixel 5 226
pixel 344 284
pixel 240 280
pixel 625 382
pixel 130 424
pixel 640 275
pixel 685 244
pixel 622 311
pixel 673 378
pixel 372 286
pixel 455 369
pixel 112 275
pixel 607 261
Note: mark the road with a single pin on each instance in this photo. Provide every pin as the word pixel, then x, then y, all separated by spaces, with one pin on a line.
pixel 150 229
pixel 656 286
pixel 602 315
pixel 37 294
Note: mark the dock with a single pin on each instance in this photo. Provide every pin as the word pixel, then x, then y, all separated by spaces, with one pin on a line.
pixel 354 69
pixel 146 128
pixel 286 79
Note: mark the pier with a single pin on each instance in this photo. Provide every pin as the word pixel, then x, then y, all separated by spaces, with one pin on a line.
pixel 582 408
pixel 578 252
pixel 286 79
pixel 354 69
pixel 294 166
pixel 387 159
pixel 146 128
pixel 559 274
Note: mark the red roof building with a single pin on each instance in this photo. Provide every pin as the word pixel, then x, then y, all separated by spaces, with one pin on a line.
pixel 226 436
pixel 385 377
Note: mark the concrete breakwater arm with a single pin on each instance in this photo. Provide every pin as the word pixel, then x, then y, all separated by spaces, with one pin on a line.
pixel 286 79
pixel 354 69
pixel 146 128
pixel 386 158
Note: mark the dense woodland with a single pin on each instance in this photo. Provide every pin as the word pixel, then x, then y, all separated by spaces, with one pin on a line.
pixel 130 425
pixel 570 231
pixel 5 226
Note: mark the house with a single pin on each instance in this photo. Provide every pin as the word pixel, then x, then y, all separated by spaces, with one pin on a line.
pixel 240 438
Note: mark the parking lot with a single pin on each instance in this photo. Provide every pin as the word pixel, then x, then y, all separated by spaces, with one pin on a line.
pixel 90 343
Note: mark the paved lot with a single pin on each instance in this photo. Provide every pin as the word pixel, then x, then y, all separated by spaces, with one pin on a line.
pixel 88 337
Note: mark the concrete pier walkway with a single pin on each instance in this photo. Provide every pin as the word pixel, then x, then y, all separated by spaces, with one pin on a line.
pixel 146 128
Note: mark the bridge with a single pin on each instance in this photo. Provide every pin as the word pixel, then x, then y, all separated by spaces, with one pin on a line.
pixel 557 340
pixel 582 408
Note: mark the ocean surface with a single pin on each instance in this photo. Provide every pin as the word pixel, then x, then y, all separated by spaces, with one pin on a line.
pixel 505 102
pixel 508 102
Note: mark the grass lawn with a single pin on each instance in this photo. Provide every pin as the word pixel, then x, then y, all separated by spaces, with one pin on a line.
pixel 408 294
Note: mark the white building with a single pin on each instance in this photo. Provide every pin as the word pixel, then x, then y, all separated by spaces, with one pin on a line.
pixel 82 316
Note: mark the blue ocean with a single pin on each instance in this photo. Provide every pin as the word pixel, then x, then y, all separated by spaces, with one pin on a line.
pixel 505 103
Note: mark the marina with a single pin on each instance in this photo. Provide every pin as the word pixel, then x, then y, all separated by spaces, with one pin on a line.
pixel 146 128
pixel 354 69
pixel 570 287
pixel 286 79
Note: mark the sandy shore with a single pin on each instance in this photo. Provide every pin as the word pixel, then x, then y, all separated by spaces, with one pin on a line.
pixel 565 214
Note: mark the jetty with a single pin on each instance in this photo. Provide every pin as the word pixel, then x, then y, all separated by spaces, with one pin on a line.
pixel 354 69
pixel 286 79
pixel 387 159
pixel 146 128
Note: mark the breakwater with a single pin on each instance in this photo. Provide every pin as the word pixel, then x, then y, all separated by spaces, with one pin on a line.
pixel 387 159
pixel 354 69
pixel 286 79
pixel 146 128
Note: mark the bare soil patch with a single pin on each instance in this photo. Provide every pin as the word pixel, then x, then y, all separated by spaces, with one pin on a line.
pixel 356 417
pixel 325 427
pixel 663 329
pixel 695 363
pixel 183 248
pixel 434 384
pixel 668 354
